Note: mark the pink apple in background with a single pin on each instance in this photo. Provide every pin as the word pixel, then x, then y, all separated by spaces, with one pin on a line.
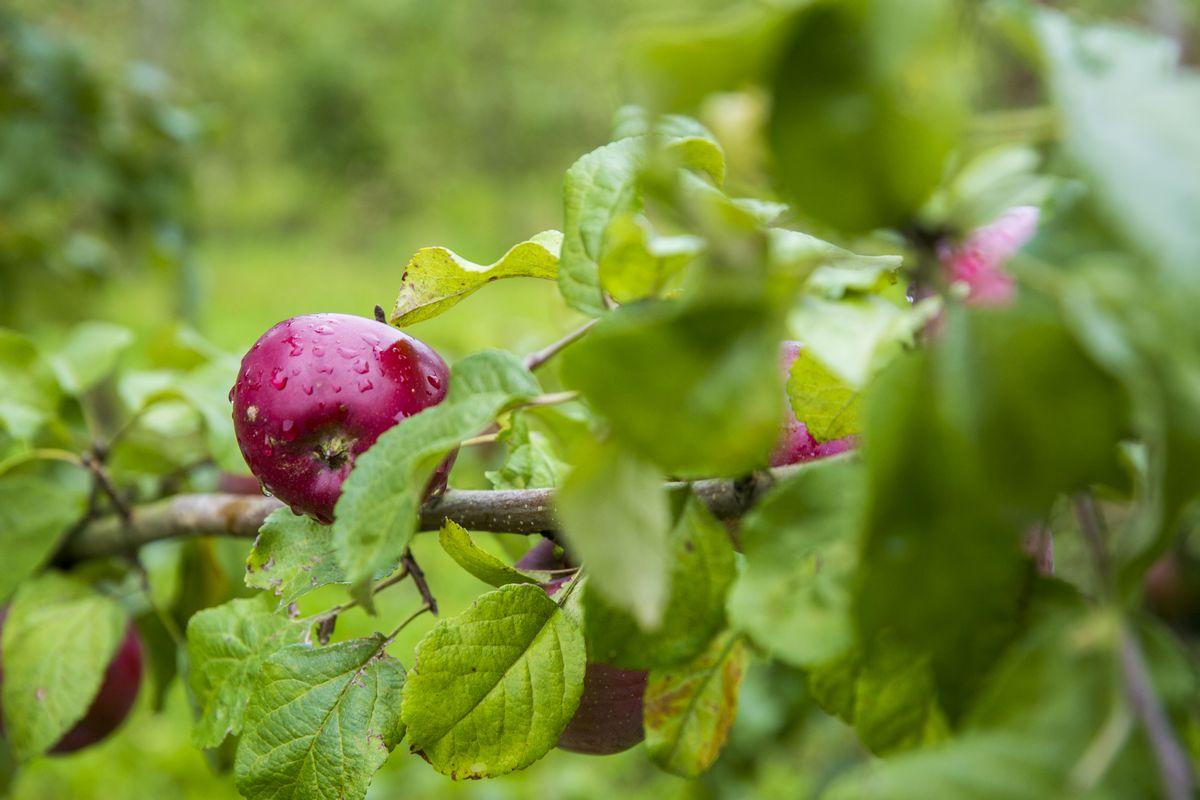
pixel 113 701
pixel 978 261
pixel 797 445
pixel 316 391
pixel 609 717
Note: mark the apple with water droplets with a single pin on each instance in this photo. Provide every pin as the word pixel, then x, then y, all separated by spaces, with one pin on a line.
pixel 315 391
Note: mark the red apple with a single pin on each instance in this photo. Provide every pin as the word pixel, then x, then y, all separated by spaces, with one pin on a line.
pixel 316 391
pixel 609 717
pixel 113 701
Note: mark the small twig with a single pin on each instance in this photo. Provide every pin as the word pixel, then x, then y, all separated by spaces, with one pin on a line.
pixel 1174 769
pixel 332 614
pixel 396 632
pixel 484 438
pixel 537 359
pixel 418 575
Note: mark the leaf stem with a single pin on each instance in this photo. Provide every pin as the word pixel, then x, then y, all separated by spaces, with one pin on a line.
pixel 326 616
pixel 40 454
pixel 418 575
pixel 535 360
pixel 396 632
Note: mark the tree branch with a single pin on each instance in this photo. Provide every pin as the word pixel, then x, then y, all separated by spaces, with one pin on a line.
pixel 524 511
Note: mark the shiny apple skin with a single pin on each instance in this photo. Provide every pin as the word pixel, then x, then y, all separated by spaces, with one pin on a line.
pixel 316 391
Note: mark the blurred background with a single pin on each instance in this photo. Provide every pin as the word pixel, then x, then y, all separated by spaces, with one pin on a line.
pixel 224 165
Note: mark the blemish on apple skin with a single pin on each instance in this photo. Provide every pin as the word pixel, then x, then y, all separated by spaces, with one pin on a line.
pixel 252 414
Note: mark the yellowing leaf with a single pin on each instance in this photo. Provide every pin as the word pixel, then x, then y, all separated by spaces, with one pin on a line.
pixel 436 278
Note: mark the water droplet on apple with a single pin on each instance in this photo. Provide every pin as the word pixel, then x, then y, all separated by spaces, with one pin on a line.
pixel 346 352
pixel 287 425
pixel 308 389
pixel 362 367
pixel 433 381
pixel 231 394
pixel 365 385
pixel 278 379
pixel 318 351
pixel 323 330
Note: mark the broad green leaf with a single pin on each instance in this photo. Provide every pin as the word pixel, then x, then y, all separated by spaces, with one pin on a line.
pixel 320 722
pixel 870 98
pixel 829 408
pixel 967 444
pixel 1052 722
pixel 794 594
pixel 1128 111
pixel 36 512
pixel 603 185
pixel 377 513
pixel 725 52
pixel 615 516
pixel 59 638
pixel 226 649
pixel 702 568
pixel 888 695
pixel 457 543
pixel 599 186
pixel 855 337
pixel 292 555
pixel 437 278
pixel 831 271
pixel 532 461
pixel 89 354
pixel 206 389
pixel 638 263
pixel 691 387
pixel 689 709
pixel 29 392
pixel 493 688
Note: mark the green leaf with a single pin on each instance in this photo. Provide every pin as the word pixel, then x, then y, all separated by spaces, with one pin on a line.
pixel 638 263
pixel 614 514
pixel 1048 725
pixel 794 595
pixel 532 461
pixel 457 543
pixel 59 638
pixel 829 408
pixel 226 649
pixel 856 336
pixel 870 98
pixel 493 688
pixel 29 393
pixel 35 514
pixel 967 444
pixel 376 515
pixel 888 695
pixel 833 271
pixel 603 185
pixel 1127 108
pixel 320 722
pixel 691 387
pixel 702 569
pixel 292 555
pixel 90 354
pixel 723 53
pixel 437 278
pixel 690 709
pixel 206 389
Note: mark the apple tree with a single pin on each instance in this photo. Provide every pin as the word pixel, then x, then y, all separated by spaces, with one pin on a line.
pixel 911 406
